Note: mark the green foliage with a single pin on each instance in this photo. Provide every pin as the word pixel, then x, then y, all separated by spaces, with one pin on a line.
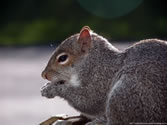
pixel 39 22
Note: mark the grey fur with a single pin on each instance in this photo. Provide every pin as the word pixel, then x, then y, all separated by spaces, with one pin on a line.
pixel 116 86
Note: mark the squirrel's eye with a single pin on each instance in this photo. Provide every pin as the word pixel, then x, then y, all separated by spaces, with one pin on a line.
pixel 62 58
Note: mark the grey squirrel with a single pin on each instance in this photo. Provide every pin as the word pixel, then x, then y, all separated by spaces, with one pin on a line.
pixel 107 85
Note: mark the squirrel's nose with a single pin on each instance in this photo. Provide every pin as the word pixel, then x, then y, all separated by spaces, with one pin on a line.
pixel 44 75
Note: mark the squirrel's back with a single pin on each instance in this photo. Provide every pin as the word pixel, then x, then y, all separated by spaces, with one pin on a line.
pixel 149 50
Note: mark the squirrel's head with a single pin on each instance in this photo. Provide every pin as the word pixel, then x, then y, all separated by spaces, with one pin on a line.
pixel 73 52
pixel 61 66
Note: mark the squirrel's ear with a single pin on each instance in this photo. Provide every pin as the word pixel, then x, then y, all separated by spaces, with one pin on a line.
pixel 85 38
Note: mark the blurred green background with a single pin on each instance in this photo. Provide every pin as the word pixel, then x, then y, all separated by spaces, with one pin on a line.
pixel 43 22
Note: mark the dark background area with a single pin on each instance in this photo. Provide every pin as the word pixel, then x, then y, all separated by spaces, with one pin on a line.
pixel 44 22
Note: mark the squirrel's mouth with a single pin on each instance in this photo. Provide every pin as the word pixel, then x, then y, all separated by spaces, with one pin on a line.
pixel 61 82
pixel 54 83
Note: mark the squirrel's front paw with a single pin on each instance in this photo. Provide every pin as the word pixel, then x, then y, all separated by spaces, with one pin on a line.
pixel 47 91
